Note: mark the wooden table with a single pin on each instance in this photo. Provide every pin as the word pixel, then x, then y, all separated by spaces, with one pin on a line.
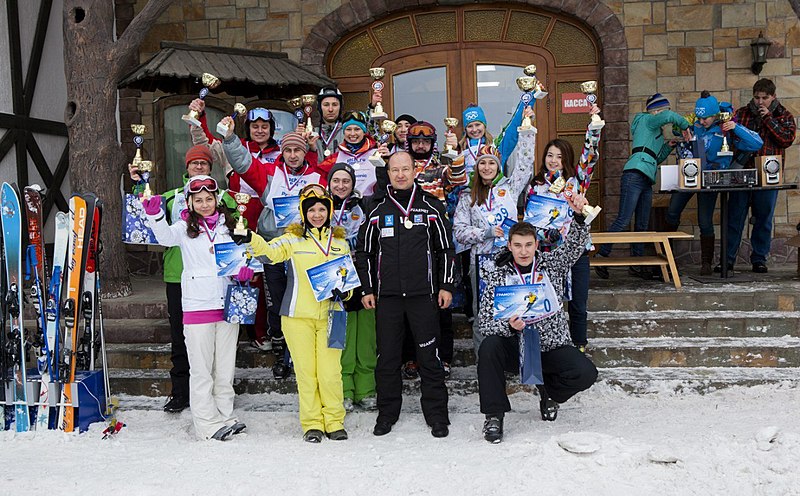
pixel 660 240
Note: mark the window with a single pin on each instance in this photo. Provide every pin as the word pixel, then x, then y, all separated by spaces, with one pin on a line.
pixel 177 141
pixel 422 94
pixel 498 94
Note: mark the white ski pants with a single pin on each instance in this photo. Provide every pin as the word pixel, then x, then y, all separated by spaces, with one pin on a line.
pixel 212 362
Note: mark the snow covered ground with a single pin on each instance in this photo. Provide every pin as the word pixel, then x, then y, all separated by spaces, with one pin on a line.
pixel 714 437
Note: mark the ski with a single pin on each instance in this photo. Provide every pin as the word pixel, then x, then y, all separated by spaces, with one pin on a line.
pixel 12 219
pixel 87 348
pixel 53 310
pixel 6 420
pixel 81 220
pixel 35 272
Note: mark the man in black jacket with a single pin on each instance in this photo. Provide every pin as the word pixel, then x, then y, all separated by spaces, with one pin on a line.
pixel 397 244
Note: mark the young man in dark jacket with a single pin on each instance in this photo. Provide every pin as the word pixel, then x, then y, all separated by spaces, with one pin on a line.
pixel 777 127
pixel 565 370
pixel 395 257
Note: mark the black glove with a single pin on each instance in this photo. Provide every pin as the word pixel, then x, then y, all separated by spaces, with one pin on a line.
pixel 242 238
pixel 337 295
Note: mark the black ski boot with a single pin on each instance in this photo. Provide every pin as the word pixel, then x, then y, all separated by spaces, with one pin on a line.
pixel 280 369
pixel 493 429
pixel 548 408
pixel 176 404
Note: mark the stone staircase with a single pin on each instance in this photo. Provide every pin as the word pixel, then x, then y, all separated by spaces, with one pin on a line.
pixel 644 336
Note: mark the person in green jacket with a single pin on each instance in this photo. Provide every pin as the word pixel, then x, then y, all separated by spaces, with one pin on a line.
pixel 639 174
pixel 198 162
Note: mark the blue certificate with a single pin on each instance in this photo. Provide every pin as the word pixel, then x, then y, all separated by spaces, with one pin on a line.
pixel 231 257
pixel 286 210
pixel 547 213
pixel 339 273
pixel 530 302
pixel 505 226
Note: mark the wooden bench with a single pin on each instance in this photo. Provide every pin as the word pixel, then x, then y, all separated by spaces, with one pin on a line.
pixel 660 240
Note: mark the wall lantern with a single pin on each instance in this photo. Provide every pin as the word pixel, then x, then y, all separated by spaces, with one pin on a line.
pixel 759 46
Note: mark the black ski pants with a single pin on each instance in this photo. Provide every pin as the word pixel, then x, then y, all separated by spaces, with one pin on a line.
pixel 423 318
pixel 275 284
pixel 179 373
pixel 566 372
pixel 445 343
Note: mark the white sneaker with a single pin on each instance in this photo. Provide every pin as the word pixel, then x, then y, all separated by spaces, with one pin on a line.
pixel 369 403
pixel 265 345
pixel 348 404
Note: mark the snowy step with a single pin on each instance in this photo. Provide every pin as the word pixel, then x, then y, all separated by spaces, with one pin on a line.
pixel 696 352
pixel 745 298
pixel 680 323
pixel 464 380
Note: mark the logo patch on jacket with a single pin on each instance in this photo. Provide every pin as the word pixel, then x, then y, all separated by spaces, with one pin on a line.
pixel 388 220
pixel 417 218
pixel 501 193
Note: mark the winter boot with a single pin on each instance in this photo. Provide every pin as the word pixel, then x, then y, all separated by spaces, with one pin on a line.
pixel 548 408
pixel 706 255
pixel 493 428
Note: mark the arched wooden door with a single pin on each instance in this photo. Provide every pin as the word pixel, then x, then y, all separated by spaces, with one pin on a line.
pixel 439 60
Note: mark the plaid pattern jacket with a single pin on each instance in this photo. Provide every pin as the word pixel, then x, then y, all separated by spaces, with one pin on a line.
pixel 777 130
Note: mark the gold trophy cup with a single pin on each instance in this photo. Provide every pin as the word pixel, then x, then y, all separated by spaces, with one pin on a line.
pixel 451 123
pixel 238 109
pixel 539 91
pixel 210 82
pixel 145 169
pixel 138 140
pixel 241 206
pixel 387 128
pixel 308 109
pixel 725 150
pixel 589 88
pixel 527 85
pixel 558 185
pixel 377 74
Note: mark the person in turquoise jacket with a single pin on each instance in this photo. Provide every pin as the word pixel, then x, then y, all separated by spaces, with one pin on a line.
pixel 708 131
pixel 649 149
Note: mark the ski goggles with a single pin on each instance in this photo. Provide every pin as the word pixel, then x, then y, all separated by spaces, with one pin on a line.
pixel 200 184
pixel 259 113
pixel 421 130
pixel 354 115
pixel 314 191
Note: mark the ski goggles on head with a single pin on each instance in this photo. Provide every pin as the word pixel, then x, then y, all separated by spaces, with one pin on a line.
pixel 200 184
pixel 314 191
pixel 354 115
pixel 259 113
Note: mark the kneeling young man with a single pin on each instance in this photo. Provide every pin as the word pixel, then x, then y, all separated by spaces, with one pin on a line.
pixel 565 370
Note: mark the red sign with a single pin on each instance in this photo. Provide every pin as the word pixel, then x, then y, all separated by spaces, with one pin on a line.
pixel 574 103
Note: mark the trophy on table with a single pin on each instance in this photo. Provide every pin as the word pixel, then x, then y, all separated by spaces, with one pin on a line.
pixel 451 123
pixel 725 150
pixel 238 109
pixel 527 85
pixel 241 206
pixel 138 140
pixel 387 128
pixel 297 106
pixel 210 82
pixel 590 88
pixel 539 91
pixel 308 109
pixel 377 73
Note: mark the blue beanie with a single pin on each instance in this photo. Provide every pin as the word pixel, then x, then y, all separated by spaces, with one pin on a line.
pixel 656 101
pixel 706 107
pixel 473 113
pixel 354 122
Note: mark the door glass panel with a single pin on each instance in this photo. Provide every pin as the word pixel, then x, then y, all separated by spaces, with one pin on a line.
pixel 177 141
pixel 498 94
pixel 422 94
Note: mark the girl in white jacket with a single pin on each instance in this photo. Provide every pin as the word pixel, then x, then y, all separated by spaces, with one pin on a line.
pixel 210 341
pixel 488 202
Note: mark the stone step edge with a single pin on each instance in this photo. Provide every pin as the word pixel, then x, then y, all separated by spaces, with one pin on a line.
pixel 602 316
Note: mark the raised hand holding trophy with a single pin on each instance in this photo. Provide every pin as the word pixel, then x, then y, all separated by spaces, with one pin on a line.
pixel 241 206
pixel 377 73
pixel 145 169
pixel 527 85
pixel 238 109
pixel 451 123
pixel 308 108
pixel 589 213
pixel 589 88
pixel 210 82
pixel 725 150
pixel 387 128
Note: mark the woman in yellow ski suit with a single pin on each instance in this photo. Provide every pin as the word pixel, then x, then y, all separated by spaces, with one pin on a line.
pixel 305 320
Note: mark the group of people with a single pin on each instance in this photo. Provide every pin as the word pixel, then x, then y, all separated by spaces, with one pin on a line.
pixel 761 127
pixel 420 226
pixel 320 194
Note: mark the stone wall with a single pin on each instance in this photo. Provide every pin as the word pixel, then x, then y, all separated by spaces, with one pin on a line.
pixel 676 47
